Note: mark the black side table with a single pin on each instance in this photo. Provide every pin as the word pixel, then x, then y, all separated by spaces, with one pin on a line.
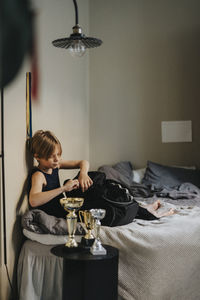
pixel 87 276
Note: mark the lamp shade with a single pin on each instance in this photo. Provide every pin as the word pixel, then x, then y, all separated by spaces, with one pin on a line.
pixel 77 42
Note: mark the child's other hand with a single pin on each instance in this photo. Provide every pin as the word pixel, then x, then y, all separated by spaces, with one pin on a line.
pixel 85 181
pixel 71 185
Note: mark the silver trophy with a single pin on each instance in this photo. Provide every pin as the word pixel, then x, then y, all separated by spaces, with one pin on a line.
pixel 97 248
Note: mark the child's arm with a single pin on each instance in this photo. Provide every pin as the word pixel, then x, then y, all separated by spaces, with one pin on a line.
pixel 37 197
pixel 84 180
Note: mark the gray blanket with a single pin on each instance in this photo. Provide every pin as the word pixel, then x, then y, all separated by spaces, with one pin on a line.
pixel 160 259
pixel 122 172
pixel 38 221
pixel 186 194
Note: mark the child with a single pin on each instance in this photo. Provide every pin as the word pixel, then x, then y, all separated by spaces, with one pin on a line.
pixel 45 191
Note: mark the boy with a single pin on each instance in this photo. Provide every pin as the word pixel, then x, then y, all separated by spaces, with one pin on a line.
pixel 45 190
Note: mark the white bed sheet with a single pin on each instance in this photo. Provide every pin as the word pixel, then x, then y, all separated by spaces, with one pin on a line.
pixel 39 273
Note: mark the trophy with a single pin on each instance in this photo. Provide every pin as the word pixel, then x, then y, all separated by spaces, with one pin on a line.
pixel 97 248
pixel 71 205
pixel 89 222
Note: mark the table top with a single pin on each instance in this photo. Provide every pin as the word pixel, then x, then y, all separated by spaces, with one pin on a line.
pixel 83 254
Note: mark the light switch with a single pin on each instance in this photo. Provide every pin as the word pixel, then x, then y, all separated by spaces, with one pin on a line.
pixel 176 131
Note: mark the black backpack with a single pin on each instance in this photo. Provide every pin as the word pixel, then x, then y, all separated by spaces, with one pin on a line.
pixel 114 197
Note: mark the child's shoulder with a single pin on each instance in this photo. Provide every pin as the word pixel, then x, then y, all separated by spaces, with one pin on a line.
pixel 38 176
pixel 34 176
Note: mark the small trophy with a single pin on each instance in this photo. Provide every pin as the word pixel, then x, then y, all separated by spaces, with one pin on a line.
pixel 97 248
pixel 89 222
pixel 71 205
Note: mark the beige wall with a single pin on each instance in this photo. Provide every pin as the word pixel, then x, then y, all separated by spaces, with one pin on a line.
pixel 146 71
pixel 63 107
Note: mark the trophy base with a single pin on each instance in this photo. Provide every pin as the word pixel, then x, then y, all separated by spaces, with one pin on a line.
pixel 86 243
pixel 100 251
pixel 71 243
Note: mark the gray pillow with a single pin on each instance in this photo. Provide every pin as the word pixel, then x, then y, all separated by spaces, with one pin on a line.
pixel 164 176
pixel 121 172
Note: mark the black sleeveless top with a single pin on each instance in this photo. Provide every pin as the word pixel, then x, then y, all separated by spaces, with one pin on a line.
pixel 53 206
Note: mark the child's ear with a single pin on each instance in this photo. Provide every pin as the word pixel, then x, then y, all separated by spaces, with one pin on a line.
pixel 36 156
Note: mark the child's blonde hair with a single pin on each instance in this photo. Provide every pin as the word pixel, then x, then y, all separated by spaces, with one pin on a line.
pixel 43 144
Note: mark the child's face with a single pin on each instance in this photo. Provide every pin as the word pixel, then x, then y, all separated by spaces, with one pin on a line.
pixel 52 162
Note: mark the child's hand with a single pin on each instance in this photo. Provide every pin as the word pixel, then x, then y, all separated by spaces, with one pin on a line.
pixel 85 181
pixel 71 185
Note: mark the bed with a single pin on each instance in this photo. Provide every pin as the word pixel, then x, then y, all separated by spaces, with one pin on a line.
pixel 158 259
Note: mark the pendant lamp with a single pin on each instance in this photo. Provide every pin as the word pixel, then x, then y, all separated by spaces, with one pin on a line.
pixel 77 42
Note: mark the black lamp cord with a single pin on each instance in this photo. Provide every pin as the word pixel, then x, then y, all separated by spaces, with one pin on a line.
pixel 76 11
pixel 3 186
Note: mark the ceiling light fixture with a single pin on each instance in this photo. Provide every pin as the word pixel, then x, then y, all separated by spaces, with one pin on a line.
pixel 77 42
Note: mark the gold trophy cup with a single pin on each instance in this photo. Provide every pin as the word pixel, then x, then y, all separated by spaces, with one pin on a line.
pixel 71 205
pixel 87 219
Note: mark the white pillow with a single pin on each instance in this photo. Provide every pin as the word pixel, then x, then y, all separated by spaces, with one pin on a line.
pixel 48 239
pixel 138 175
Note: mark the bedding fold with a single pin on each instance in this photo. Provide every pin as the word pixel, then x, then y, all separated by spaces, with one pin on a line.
pixel 38 221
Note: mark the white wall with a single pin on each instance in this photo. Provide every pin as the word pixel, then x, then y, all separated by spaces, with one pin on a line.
pixel 146 71
pixel 62 106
